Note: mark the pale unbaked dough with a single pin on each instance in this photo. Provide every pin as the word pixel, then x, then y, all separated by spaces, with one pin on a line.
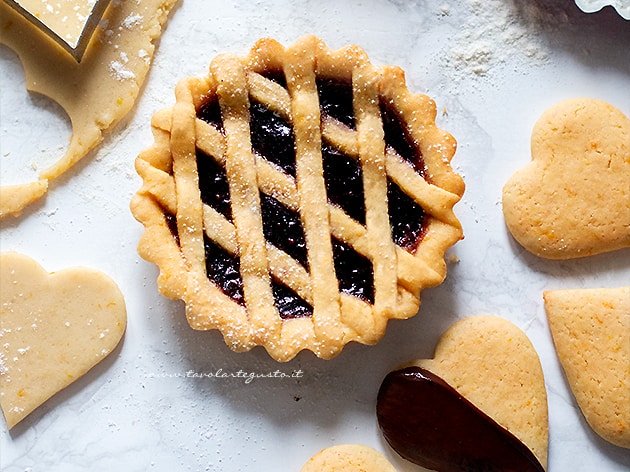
pixel 573 198
pixel 53 329
pixel 13 198
pixel 348 458
pixel 65 18
pixel 493 364
pixel 97 92
pixel 591 332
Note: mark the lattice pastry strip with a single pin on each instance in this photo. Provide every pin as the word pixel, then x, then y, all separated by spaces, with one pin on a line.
pixel 297 198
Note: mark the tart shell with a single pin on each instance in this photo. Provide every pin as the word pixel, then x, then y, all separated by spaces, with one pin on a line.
pixel 177 222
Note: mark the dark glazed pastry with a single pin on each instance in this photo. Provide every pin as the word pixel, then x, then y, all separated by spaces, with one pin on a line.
pixel 480 404
pixel 298 198
pixel 428 423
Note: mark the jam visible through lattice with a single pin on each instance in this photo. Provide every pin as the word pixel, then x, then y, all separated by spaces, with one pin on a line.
pixel 297 198
pixel 272 138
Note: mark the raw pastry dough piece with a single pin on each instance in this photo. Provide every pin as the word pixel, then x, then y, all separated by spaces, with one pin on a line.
pixel 53 329
pixel 13 198
pixel 97 92
pixel 573 198
pixel 348 458
pixel 70 23
pixel 591 332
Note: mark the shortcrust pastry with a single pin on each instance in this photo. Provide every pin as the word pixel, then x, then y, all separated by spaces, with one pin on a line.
pixel 348 458
pixel 573 198
pixel 591 332
pixel 95 93
pixel 298 198
pixel 54 328
pixel 479 404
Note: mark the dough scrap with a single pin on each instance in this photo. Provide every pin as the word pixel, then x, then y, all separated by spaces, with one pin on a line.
pixel 573 198
pixel 348 458
pixel 97 92
pixel 591 332
pixel 13 198
pixel 494 365
pixel 53 329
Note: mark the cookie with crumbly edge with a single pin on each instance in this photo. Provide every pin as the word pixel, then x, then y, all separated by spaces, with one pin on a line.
pixel 591 333
pixel 573 199
pixel 329 274
pixel 348 458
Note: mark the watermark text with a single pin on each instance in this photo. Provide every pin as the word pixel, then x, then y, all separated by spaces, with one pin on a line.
pixel 245 376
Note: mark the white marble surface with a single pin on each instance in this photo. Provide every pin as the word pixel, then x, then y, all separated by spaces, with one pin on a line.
pixel 492 68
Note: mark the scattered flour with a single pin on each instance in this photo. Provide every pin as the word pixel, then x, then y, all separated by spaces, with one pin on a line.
pixel 497 30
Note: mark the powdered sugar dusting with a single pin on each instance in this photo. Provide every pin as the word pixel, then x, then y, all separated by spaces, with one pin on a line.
pixel 3 368
pixel 119 72
pixel 132 20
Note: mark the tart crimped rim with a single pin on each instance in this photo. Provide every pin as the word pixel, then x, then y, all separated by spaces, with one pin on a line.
pixel 399 276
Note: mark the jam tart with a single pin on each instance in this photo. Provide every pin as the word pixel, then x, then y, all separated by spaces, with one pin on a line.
pixel 297 198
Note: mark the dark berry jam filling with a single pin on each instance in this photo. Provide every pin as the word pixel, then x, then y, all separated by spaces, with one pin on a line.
pixel 344 182
pixel 210 112
pixel 272 138
pixel 282 227
pixel 213 185
pixel 171 222
pixel 288 303
pixel 276 75
pixel 335 100
pixel 397 137
pixel 223 270
pixel 355 272
pixel 406 218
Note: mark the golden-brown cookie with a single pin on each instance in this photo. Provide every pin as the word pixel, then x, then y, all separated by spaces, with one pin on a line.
pixel 480 402
pixel 591 332
pixel 573 198
pixel 298 198
pixel 348 458
pixel 53 329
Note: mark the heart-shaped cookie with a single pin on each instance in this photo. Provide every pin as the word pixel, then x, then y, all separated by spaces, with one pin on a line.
pixel 53 329
pixel 480 404
pixel 573 198
pixel 591 332
pixel 348 458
